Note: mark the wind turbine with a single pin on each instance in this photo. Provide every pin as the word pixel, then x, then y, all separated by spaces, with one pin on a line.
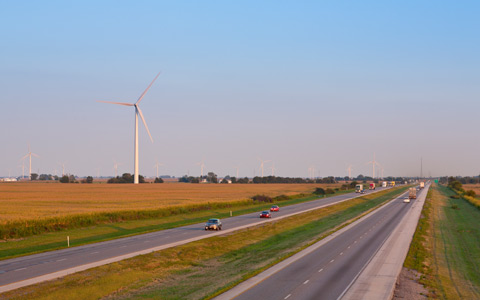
pixel 373 162
pixel 23 167
pixel 236 168
pixel 273 168
pixel 311 172
pixel 262 162
pixel 63 168
pixel 156 165
pixel 29 155
pixel 202 165
pixel 349 170
pixel 115 167
pixel 137 112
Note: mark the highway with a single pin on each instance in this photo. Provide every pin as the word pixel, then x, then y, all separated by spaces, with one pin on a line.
pixel 26 270
pixel 328 271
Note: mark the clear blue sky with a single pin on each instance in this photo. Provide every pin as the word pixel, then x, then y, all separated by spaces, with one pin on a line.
pixel 301 83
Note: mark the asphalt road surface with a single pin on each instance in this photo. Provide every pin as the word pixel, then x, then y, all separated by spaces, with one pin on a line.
pixel 22 271
pixel 327 272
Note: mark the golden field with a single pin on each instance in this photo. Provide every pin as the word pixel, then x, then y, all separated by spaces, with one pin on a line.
pixel 473 187
pixel 33 200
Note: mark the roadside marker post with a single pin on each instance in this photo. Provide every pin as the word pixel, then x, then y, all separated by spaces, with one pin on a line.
pixel 68 241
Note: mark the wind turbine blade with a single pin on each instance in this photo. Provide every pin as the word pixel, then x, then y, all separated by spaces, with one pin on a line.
pixel 144 123
pixel 35 155
pixel 24 157
pixel 119 103
pixel 141 96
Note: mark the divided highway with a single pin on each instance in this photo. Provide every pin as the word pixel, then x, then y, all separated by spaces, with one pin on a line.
pixel 327 270
pixel 23 271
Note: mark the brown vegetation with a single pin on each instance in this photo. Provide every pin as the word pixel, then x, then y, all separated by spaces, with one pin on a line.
pixel 27 201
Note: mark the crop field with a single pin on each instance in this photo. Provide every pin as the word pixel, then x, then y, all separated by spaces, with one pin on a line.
pixel 473 187
pixel 29 201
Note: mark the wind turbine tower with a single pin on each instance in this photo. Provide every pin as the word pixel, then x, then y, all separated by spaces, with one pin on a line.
pixel 156 165
pixel 373 162
pixel 138 112
pixel 262 162
pixel 349 170
pixel 29 155
pixel 202 166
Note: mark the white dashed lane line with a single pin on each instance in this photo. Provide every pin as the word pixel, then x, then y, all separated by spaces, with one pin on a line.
pixel 20 269
pixel 288 296
pixel 306 281
pixel 61 259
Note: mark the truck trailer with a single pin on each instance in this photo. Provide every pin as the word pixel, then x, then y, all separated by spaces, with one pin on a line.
pixel 372 186
pixel 359 188
pixel 412 193
pixel 422 184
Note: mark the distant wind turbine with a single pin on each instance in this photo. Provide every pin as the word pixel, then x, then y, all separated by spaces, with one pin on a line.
pixel 349 170
pixel 115 167
pixel 156 165
pixel 202 166
pixel 374 163
pixel 29 155
pixel 262 162
pixel 137 113
pixel 273 168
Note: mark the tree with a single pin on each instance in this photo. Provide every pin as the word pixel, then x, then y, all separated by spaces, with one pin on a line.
pixel 89 179
pixel 319 191
pixel 158 180
pixel 34 176
pixel 64 179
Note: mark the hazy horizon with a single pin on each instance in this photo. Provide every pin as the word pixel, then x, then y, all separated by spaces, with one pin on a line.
pixel 299 83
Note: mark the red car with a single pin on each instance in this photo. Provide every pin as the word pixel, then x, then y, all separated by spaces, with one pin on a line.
pixel 274 208
pixel 265 214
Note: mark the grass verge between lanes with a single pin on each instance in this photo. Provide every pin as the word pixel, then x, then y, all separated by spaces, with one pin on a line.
pixel 445 246
pixel 202 269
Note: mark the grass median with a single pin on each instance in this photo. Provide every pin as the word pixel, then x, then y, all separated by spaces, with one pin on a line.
pixel 445 247
pixel 202 269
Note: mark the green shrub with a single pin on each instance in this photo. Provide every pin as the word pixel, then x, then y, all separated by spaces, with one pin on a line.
pixel 319 191
pixel 470 193
pixel 329 191
pixel 262 198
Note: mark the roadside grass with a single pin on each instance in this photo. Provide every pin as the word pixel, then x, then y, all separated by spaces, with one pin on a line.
pixel 202 269
pixel 447 252
pixel 106 231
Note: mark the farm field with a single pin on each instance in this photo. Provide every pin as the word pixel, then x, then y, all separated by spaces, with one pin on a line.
pixel 28 201
pixel 473 187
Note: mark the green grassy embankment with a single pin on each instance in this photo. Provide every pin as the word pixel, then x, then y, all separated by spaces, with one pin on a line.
pixel 446 248
pixel 186 272
pixel 128 223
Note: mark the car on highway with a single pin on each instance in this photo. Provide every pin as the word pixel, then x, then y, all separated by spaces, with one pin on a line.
pixel 214 224
pixel 265 214
pixel 274 208
pixel 406 200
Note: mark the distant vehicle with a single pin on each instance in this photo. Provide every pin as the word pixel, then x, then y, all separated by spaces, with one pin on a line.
pixel 412 193
pixel 214 224
pixel 384 184
pixel 359 188
pixel 406 200
pixel 265 214
pixel 391 183
pixel 422 184
pixel 274 208
pixel 372 186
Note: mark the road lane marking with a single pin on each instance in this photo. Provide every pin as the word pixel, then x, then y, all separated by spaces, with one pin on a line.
pixel 287 296
pixel 306 281
pixel 332 260
pixel 355 242
pixel 19 269
pixel 95 252
pixel 61 259
pixel 320 270
pixel 123 246
pixel 341 253
pixel 349 247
